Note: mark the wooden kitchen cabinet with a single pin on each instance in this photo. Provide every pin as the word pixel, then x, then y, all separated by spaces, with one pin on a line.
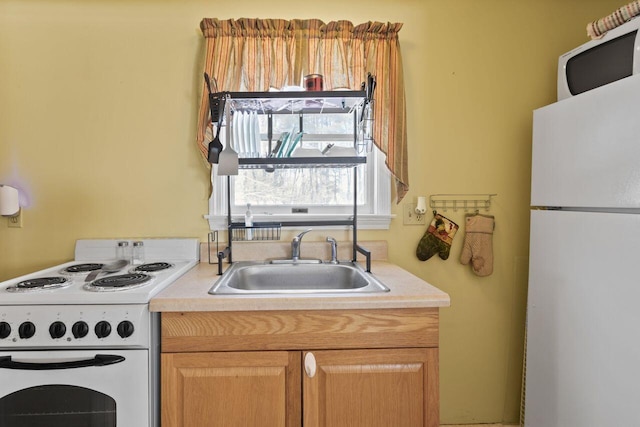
pixel 231 389
pixel 372 388
pixel 325 368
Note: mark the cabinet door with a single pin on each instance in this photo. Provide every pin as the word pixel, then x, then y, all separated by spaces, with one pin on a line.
pixel 371 388
pixel 231 389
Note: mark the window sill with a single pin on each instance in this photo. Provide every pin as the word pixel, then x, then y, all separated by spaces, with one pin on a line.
pixel 365 221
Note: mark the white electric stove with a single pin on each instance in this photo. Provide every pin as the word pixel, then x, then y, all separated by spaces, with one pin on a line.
pixel 62 336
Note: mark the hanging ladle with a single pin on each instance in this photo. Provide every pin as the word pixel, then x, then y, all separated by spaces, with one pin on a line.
pixel 216 105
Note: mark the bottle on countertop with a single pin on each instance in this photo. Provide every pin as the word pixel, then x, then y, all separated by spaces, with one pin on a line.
pixel 248 222
pixel 122 250
pixel 137 256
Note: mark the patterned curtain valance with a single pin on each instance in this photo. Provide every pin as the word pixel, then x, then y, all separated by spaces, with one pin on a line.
pixel 258 54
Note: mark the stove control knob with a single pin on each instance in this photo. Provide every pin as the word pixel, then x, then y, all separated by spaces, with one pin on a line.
pixel 80 329
pixel 125 329
pixel 102 329
pixel 5 330
pixel 57 330
pixel 26 330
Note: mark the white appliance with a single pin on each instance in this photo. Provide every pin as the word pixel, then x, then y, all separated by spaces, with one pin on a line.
pixel 86 353
pixel 583 314
pixel 614 56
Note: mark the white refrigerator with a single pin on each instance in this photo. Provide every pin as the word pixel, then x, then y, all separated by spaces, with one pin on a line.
pixel 583 308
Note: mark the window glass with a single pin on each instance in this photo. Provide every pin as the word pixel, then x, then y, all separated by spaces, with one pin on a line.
pixel 283 193
pixel 313 187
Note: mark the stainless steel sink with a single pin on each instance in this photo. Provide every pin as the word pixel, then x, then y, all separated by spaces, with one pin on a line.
pixel 247 278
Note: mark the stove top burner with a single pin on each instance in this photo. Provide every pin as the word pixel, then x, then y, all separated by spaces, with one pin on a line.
pixel 39 284
pixel 82 268
pixel 121 282
pixel 151 267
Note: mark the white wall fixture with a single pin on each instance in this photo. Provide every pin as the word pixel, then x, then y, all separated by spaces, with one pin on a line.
pixel 421 207
pixel 9 201
pixel 10 205
pixel 413 213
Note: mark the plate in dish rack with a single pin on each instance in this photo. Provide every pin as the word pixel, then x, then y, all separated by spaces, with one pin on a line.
pixel 247 134
pixel 255 137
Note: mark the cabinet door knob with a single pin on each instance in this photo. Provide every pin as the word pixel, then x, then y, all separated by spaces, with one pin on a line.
pixel 310 365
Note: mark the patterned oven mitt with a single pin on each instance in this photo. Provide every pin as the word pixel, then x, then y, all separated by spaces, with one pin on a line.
pixel 478 245
pixel 437 239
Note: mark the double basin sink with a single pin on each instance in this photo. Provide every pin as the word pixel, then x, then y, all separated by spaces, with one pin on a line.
pixel 296 277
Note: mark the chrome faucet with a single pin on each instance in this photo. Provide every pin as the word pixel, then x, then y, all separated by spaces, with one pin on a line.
pixel 334 250
pixel 295 245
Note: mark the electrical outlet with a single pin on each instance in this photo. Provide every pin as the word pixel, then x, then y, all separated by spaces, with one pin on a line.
pixel 15 221
pixel 410 217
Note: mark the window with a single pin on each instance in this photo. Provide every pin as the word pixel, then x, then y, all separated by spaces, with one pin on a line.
pixel 314 193
pixel 259 54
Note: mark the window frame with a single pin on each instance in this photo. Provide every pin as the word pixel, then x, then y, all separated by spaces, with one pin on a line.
pixel 375 214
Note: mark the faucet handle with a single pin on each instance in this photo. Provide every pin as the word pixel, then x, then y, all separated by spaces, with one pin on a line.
pixel 301 235
pixel 295 245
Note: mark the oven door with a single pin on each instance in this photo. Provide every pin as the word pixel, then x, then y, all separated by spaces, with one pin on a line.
pixel 103 388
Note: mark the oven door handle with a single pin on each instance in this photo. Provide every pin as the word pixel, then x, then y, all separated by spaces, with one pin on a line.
pixel 98 360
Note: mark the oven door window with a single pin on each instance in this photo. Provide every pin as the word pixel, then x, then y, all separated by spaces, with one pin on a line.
pixel 57 405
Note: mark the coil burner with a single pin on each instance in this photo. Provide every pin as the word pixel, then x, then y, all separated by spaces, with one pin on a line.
pixel 39 284
pixel 121 282
pixel 151 267
pixel 78 269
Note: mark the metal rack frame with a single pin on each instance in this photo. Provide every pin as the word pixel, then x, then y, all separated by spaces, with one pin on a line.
pixel 357 101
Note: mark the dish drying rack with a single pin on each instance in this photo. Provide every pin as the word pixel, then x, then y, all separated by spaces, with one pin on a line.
pixel 356 103
pixel 273 104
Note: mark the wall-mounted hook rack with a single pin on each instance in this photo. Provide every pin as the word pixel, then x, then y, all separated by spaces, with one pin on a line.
pixel 461 201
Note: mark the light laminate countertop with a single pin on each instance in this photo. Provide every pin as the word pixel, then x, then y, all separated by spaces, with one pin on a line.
pixel 190 293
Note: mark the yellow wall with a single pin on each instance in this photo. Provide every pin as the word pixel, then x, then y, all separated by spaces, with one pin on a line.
pixel 97 121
